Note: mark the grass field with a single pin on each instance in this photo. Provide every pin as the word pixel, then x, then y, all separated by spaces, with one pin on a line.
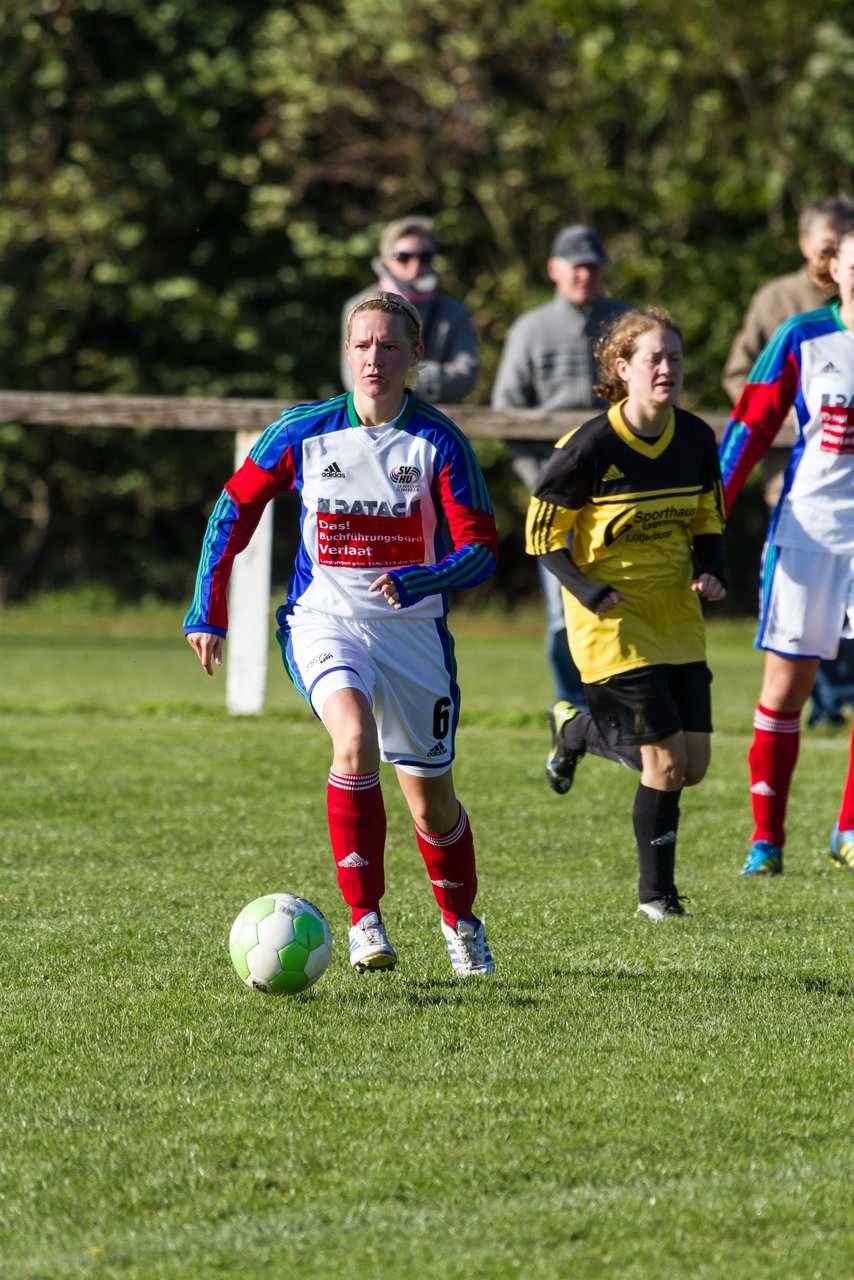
pixel 623 1099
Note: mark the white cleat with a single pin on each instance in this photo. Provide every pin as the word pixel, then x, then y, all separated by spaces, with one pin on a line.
pixel 370 949
pixel 468 949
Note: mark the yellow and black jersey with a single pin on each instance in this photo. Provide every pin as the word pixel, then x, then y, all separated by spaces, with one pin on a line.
pixel 633 507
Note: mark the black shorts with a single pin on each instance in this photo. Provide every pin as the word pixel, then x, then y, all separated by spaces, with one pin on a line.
pixel 650 704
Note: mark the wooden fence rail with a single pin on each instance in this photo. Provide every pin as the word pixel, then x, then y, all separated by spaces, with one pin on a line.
pixel 178 413
pixel 251 582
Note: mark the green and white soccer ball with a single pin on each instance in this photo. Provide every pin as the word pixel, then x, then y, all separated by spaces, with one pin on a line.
pixel 280 943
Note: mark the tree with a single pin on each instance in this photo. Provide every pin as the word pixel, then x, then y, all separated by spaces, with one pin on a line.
pixel 188 195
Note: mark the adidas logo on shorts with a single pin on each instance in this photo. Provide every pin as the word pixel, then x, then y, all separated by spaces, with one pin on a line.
pixel 439 750
pixel 333 472
pixel 830 367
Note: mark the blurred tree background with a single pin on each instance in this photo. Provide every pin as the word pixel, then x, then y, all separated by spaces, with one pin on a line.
pixel 189 193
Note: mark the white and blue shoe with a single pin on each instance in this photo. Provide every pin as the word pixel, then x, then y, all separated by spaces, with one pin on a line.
pixel 370 949
pixel 764 859
pixel 842 848
pixel 468 949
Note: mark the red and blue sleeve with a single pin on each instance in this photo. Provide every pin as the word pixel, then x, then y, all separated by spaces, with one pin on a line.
pixel 268 470
pixel 760 410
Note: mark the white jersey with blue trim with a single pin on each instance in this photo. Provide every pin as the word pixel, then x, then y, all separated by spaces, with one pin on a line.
pixel 407 499
pixel 367 510
pixel 809 363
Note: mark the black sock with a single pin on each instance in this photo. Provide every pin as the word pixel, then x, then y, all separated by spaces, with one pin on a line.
pixel 656 821
pixel 581 734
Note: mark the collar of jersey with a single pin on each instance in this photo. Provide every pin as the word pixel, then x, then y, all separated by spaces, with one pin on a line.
pixel 400 421
pixel 649 448
pixel 835 308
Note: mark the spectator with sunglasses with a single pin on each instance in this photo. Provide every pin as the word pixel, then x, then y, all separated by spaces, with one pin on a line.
pixel 449 368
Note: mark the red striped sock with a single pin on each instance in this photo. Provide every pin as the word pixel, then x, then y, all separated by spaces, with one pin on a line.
pixel 357 828
pixel 846 813
pixel 450 863
pixel 772 758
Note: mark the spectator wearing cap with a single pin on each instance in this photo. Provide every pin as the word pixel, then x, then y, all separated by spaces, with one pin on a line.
pixel 449 368
pixel 547 362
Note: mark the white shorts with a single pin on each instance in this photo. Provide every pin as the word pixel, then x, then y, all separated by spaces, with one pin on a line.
pixel 806 602
pixel 404 666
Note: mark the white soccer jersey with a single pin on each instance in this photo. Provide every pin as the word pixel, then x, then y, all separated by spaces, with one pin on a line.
pixel 367 509
pixel 809 363
pixel 406 499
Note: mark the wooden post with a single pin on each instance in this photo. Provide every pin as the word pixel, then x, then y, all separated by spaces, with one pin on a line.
pixel 249 610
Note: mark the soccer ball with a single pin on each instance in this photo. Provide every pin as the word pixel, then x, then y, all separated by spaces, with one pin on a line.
pixel 280 943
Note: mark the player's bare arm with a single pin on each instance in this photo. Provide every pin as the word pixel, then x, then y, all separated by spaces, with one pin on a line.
pixel 207 648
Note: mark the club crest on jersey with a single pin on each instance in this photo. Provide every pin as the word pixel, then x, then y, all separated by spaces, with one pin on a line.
pixel 405 478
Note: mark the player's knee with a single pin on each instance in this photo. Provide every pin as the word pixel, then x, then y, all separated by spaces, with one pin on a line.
pixel 664 768
pixel 355 748
pixel 434 809
pixel 695 772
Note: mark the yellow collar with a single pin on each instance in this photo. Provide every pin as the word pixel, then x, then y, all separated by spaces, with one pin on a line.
pixel 649 448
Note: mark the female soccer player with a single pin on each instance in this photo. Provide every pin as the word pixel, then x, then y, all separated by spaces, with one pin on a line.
pixel 639 489
pixel 807 577
pixel 395 514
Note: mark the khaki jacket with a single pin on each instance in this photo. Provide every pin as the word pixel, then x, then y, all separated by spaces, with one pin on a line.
pixel 775 302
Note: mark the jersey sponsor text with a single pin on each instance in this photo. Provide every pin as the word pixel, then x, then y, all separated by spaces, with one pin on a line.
pixel 360 541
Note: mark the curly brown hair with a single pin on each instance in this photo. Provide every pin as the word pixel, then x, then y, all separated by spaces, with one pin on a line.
pixel 620 341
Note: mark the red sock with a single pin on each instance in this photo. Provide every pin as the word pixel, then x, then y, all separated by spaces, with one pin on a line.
pixel 449 860
pixel 357 826
pixel 772 758
pixel 846 813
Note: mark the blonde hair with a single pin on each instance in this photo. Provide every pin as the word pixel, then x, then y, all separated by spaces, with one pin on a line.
pixel 391 304
pixel 414 225
pixel 620 342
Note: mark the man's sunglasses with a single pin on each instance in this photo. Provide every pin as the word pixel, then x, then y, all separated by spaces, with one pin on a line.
pixel 425 255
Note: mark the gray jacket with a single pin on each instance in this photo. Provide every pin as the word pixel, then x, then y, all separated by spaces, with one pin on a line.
pixel 449 369
pixel 547 362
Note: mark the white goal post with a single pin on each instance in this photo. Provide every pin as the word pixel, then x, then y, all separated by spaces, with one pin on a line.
pixel 247 646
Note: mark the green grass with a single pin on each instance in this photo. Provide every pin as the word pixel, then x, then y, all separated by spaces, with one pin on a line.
pixel 623 1099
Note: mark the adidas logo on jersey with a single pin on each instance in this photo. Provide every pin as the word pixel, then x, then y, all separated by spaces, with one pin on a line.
pixel 439 750
pixel 333 472
pixel 613 473
pixel 830 367
pixel 353 860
